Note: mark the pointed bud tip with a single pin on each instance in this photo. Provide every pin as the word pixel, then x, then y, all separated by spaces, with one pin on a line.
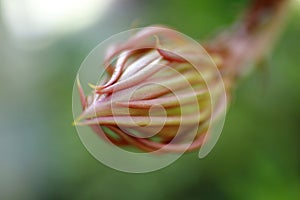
pixel 92 86
pixel 74 123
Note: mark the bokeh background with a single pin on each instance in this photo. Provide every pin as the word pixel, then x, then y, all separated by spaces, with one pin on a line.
pixel 42 44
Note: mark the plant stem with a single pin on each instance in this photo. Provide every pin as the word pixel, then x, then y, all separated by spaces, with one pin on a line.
pixel 250 39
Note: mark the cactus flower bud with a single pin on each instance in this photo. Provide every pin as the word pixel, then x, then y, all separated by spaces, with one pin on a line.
pixel 158 90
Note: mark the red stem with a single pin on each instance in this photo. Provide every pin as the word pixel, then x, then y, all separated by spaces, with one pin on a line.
pixel 250 39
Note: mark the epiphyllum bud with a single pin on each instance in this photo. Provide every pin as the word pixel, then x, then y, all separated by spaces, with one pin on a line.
pixel 158 91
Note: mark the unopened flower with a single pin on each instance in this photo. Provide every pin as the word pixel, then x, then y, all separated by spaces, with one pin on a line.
pixel 156 92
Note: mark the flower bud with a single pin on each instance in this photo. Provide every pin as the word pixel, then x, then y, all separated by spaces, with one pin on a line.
pixel 157 90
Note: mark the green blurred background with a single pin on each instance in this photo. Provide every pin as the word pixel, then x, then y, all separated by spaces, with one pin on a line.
pixel 41 156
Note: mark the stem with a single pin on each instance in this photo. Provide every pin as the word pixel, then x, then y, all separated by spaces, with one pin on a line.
pixel 250 39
